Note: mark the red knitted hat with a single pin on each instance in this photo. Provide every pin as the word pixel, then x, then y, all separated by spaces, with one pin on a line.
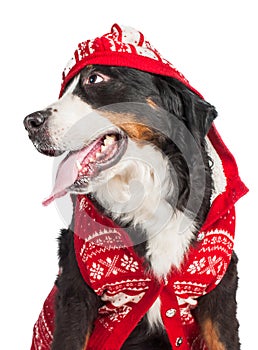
pixel 123 46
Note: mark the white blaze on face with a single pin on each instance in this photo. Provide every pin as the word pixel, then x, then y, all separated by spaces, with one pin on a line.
pixel 73 123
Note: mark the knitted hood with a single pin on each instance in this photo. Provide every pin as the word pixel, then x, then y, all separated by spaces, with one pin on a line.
pixel 123 46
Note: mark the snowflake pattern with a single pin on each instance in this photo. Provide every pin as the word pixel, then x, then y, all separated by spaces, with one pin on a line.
pixel 214 267
pixel 209 266
pixel 129 263
pixel 110 266
pixel 96 271
pixel 113 266
pixel 196 266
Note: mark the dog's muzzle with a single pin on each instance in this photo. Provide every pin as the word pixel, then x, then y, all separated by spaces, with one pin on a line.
pixel 36 125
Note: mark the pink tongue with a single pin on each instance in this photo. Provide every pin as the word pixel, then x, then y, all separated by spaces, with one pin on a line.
pixel 67 174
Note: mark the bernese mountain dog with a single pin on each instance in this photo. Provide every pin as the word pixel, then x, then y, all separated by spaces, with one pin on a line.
pixel 136 145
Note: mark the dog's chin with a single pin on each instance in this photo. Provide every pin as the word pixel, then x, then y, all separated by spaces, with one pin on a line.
pixel 47 149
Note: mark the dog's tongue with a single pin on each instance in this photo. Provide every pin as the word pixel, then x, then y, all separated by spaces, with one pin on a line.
pixel 68 171
pixel 67 174
pixel 80 164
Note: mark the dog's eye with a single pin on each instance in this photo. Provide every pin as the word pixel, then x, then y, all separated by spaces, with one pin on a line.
pixel 95 79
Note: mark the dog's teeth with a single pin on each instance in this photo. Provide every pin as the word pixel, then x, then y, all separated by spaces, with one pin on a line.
pixel 98 154
pixel 103 148
pixel 109 140
pixel 79 167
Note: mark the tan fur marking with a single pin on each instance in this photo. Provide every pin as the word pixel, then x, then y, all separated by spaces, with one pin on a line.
pixel 118 118
pixel 130 125
pixel 211 335
pixel 86 341
pixel 138 131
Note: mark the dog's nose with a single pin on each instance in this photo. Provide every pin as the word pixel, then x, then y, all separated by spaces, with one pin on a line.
pixel 34 121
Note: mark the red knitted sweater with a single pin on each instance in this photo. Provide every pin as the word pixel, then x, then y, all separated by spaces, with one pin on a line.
pixel 109 264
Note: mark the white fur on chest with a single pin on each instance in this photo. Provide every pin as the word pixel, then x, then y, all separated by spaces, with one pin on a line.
pixel 168 247
pixel 136 190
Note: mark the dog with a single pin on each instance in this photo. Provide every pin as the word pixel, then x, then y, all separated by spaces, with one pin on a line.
pixel 138 148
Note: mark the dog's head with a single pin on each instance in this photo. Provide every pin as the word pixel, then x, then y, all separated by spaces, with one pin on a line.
pixel 121 126
pixel 111 114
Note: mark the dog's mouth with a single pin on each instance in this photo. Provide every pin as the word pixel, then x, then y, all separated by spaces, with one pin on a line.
pixel 78 168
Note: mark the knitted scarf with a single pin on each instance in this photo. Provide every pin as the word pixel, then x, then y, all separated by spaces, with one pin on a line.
pixel 111 267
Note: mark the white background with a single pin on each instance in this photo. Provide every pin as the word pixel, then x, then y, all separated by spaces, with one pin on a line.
pixel 214 43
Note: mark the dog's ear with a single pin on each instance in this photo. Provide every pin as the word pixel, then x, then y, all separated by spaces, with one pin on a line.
pixel 201 115
pixel 187 106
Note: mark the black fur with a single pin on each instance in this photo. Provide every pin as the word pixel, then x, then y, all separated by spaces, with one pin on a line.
pixel 77 304
pixel 220 306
